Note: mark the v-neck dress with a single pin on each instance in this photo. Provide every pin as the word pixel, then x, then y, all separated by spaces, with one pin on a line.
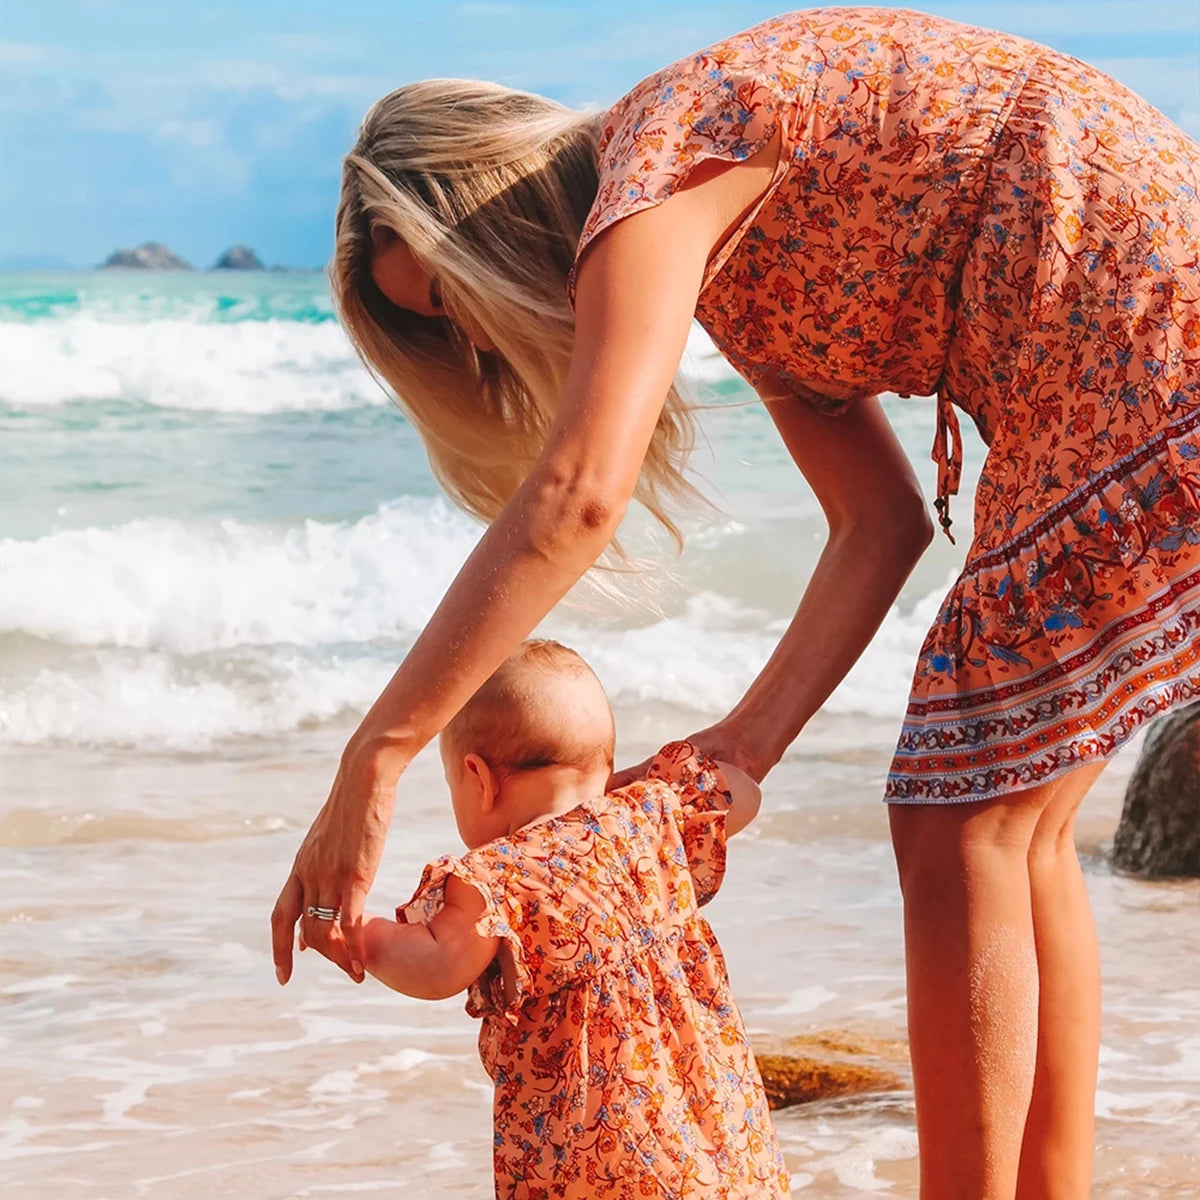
pixel 967 215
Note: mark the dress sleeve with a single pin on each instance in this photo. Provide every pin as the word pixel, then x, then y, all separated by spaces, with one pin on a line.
pixel 654 137
pixel 703 800
pixel 501 918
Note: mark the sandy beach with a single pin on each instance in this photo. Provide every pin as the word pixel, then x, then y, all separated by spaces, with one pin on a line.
pixel 149 1052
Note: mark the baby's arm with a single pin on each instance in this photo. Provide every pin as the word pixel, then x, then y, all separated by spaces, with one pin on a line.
pixel 434 961
pixel 746 794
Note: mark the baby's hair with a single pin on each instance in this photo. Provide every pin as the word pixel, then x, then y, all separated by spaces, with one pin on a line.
pixel 543 707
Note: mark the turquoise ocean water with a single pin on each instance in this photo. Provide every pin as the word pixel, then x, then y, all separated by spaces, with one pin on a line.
pixel 255 537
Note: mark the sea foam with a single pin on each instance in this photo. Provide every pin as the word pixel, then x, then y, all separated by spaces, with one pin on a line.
pixel 172 633
pixel 237 367
pixel 254 366
pixel 192 587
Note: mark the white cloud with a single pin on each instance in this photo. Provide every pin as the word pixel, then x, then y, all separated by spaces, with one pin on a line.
pixel 288 84
pixel 198 134
pixel 195 148
pixel 356 88
pixel 243 74
pixel 324 44
pixel 14 53
pixel 216 169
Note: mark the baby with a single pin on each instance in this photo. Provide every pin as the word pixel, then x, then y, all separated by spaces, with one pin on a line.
pixel 620 1062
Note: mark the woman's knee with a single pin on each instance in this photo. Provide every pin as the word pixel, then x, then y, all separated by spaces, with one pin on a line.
pixel 1054 835
pixel 1053 840
pixel 947 846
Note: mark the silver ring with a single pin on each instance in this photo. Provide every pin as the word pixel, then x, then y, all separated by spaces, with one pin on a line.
pixel 324 914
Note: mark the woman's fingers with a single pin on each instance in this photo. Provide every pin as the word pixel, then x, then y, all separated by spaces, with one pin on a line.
pixel 352 929
pixel 332 874
pixel 324 936
pixel 629 775
pixel 720 742
pixel 283 926
pixel 321 930
pixel 717 741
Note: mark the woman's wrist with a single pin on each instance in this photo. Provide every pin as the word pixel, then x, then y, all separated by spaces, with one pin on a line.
pixel 730 741
pixel 375 761
pixel 758 742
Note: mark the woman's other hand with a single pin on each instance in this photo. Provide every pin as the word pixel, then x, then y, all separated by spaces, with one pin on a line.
pixel 720 741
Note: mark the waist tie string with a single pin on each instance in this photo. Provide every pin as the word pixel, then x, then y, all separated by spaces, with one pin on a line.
pixel 947 453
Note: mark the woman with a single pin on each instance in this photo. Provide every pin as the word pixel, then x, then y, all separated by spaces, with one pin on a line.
pixel 850 201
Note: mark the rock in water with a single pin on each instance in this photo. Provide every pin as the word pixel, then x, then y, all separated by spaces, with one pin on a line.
pixel 794 1076
pixel 153 256
pixel 238 258
pixel 1159 833
pixel 790 1079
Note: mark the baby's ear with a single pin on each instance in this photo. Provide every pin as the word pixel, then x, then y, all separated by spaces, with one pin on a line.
pixel 484 780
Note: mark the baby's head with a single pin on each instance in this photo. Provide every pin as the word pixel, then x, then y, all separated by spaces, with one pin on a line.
pixel 539 726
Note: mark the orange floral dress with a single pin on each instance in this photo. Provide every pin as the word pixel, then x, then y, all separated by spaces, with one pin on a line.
pixel 621 1065
pixel 963 213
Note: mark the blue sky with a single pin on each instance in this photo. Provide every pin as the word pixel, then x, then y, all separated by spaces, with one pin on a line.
pixel 208 123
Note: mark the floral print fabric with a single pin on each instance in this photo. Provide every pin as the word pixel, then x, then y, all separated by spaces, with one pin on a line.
pixel 963 213
pixel 621 1065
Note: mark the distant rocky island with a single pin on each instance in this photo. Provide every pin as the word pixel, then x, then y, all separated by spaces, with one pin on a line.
pixel 154 256
pixel 239 258
pixel 150 256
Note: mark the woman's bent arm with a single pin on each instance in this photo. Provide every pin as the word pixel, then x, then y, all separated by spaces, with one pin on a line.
pixel 879 526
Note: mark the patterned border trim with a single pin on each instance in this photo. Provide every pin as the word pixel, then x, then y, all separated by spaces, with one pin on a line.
pixel 1110 640
pixel 1137 683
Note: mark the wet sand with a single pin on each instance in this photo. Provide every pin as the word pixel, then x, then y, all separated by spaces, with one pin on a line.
pixel 149 1052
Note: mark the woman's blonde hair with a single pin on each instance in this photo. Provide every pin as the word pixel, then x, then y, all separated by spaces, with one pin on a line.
pixel 489 189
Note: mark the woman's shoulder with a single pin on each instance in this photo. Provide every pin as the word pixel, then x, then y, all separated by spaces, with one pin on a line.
pixel 718 101
pixel 725 102
pixel 718 97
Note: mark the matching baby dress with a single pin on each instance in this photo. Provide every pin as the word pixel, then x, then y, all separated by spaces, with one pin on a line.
pixel 621 1065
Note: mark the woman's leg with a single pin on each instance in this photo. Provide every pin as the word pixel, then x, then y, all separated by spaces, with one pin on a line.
pixel 1056 1158
pixel 972 973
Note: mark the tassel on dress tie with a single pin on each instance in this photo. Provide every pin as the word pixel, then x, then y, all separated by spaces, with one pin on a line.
pixel 947 453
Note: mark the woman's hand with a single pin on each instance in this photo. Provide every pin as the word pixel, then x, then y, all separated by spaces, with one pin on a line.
pixel 721 741
pixel 336 864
